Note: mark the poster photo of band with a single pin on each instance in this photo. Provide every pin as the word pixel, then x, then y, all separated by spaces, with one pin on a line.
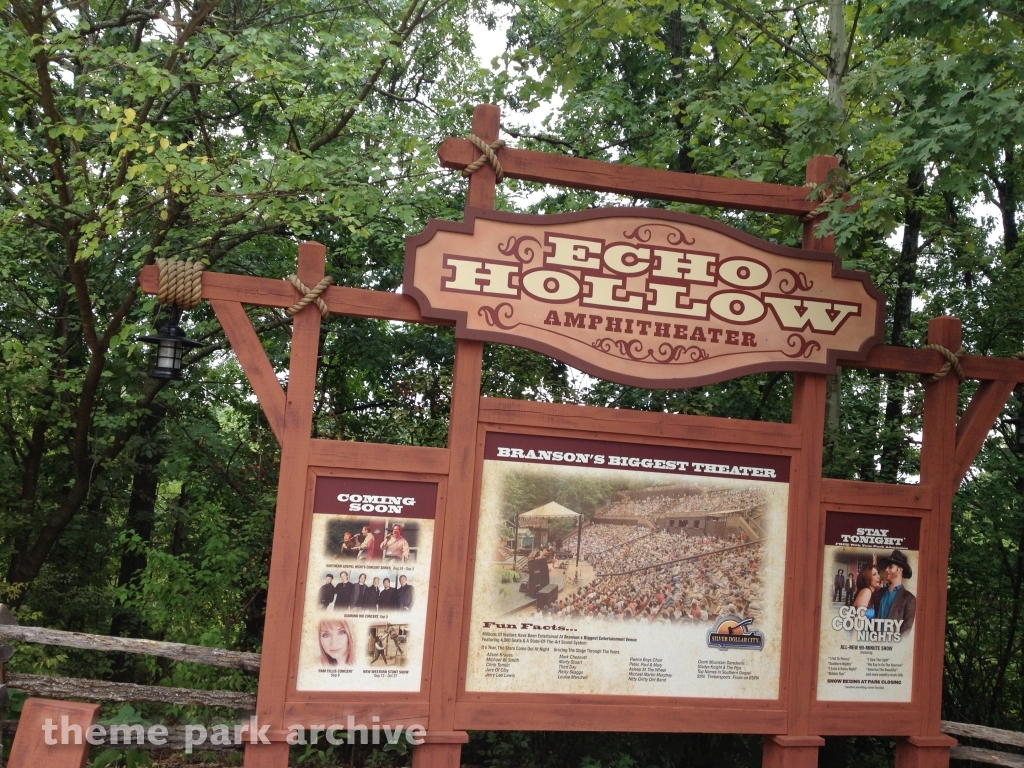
pixel 869 608
pixel 628 569
pixel 364 615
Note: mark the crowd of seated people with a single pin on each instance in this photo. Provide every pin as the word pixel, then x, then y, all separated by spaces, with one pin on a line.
pixel 725 581
pixel 706 503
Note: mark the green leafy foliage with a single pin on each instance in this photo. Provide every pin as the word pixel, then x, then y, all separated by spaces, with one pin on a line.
pixel 228 132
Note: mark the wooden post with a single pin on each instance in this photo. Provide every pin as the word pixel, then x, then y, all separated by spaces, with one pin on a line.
pixel 282 610
pixel 30 749
pixel 929 748
pixel 486 124
pixel 818 169
pixel 799 748
pixel 443 747
pixel 791 751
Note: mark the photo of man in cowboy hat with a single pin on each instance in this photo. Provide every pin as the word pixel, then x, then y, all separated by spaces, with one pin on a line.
pixel 893 600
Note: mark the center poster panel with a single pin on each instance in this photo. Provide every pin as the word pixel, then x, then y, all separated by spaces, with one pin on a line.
pixel 628 569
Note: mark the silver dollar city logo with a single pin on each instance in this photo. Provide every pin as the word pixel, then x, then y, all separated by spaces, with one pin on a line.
pixel 734 632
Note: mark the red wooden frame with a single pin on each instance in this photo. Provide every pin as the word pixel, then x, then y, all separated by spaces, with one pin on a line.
pixel 794 723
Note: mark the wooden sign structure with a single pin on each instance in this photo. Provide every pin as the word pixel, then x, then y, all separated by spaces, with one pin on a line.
pixel 745 626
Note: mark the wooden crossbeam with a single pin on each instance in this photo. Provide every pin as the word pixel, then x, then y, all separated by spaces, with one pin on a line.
pixel 384 305
pixel 264 292
pixel 976 423
pixel 253 359
pixel 635 181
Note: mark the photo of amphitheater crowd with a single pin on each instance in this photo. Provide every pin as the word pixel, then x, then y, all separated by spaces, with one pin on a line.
pixel 683 552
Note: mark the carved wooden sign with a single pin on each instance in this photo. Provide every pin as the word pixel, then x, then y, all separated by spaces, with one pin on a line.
pixel 642 296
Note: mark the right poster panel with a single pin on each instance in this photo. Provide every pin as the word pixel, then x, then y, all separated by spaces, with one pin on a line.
pixel 868 607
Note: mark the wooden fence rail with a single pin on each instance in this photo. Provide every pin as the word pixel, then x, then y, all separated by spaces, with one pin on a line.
pixel 98 690
pixel 217 657
pixel 984 733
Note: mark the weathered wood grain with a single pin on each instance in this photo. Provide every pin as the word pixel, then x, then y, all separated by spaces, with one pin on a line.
pixel 978 755
pixel 101 690
pixel 995 735
pixel 217 657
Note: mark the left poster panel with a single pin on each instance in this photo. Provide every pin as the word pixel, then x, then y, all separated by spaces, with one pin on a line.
pixel 365 611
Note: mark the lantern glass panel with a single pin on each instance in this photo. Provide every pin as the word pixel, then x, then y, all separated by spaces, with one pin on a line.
pixel 168 354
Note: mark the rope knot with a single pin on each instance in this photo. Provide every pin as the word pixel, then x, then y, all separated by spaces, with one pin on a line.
pixel 952 363
pixel 815 212
pixel 309 296
pixel 181 282
pixel 488 157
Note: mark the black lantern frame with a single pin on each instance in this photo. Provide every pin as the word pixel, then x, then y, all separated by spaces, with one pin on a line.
pixel 171 343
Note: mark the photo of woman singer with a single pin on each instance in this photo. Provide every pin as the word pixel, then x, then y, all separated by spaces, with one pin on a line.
pixel 868 583
pixel 336 646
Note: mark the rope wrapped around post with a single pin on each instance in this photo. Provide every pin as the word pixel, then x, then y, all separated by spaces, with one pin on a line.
pixel 952 363
pixel 181 282
pixel 309 296
pixel 812 215
pixel 488 157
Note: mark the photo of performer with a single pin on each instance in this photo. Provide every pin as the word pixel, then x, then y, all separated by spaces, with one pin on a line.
pixel 837 586
pixel 326 595
pixel 394 547
pixel 387 600
pixel 851 587
pixel 893 600
pixel 349 545
pixel 336 643
pixel 379 646
pixel 367 546
pixel 404 593
pixel 343 592
pixel 358 589
pixel 371 595
pixel 868 584
pixel 386 645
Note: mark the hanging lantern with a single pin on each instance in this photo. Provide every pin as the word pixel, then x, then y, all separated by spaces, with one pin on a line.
pixel 171 342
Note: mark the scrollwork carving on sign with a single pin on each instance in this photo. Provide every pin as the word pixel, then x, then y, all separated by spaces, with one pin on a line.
pixel 493 315
pixel 643 234
pixel 627 348
pixel 514 247
pixel 804 347
pixel 667 352
pixel 799 281
pixel 671 353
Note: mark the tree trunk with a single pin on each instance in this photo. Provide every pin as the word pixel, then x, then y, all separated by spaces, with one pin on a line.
pixel 837 51
pixel 127 621
pixel 893 448
pixel 678 46
pixel 1006 194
